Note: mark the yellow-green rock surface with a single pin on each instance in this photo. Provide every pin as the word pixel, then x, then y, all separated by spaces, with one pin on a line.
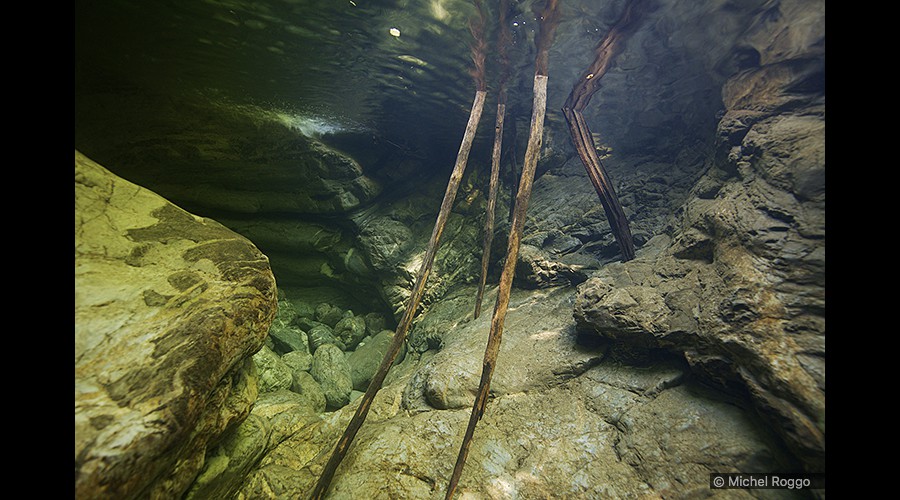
pixel 168 308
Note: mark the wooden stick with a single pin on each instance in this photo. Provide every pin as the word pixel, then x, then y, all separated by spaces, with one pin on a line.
pixel 506 278
pixel 492 203
pixel 549 20
pixel 584 144
pixel 505 39
pixel 514 185
pixel 418 290
pixel 608 48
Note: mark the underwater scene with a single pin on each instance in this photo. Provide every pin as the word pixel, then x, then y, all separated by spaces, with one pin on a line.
pixel 449 249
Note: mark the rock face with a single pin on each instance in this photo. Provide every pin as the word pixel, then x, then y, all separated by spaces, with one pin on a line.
pixel 168 309
pixel 740 288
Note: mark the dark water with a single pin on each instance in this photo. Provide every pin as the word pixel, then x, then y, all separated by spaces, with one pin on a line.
pixel 329 64
pixel 335 65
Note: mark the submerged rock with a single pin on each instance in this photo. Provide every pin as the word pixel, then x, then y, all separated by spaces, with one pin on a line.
pixel 375 323
pixel 310 391
pixel 366 359
pixel 275 416
pixel 450 378
pixel 328 314
pixel 740 287
pixel 286 412
pixel 350 330
pixel 286 313
pixel 566 421
pixel 304 309
pixel 168 309
pixel 298 361
pixel 274 374
pixel 286 339
pixel 386 242
pixel 320 335
pixel 331 371
pixel 227 464
pixel 535 269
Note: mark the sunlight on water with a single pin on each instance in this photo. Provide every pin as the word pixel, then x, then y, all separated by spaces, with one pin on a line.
pixel 309 126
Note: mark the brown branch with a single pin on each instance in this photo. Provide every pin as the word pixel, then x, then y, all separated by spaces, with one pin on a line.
pixel 588 84
pixel 549 18
pixel 605 53
pixel 504 40
pixel 492 203
pixel 478 48
pixel 514 185
pixel 412 305
pixel 584 144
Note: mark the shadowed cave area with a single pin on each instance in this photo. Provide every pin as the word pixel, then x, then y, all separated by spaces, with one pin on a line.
pixel 256 184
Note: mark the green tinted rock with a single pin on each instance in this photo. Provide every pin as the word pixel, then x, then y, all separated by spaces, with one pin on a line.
pixel 331 371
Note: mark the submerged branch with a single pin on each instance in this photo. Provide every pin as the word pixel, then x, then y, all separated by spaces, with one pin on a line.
pixel 492 204
pixel 505 39
pixel 479 47
pixel 549 19
pixel 412 305
pixel 588 84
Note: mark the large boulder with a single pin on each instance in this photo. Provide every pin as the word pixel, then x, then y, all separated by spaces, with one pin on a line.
pixel 168 308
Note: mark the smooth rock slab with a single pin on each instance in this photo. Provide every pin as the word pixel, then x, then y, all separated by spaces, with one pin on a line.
pixel 168 307
pixel 538 344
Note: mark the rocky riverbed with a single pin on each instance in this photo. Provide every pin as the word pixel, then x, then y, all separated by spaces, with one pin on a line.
pixel 238 278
